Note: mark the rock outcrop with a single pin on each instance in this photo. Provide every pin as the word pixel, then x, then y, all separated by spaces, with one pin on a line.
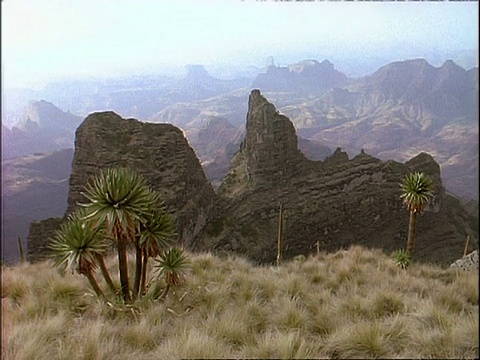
pixel 39 232
pixel 401 108
pixel 337 202
pixel 159 152
pixel 468 262
pixel 308 76
pixel 334 203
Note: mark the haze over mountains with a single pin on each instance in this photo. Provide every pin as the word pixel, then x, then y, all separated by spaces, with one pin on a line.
pixel 43 128
pixel 34 187
pixel 337 202
pixel 396 112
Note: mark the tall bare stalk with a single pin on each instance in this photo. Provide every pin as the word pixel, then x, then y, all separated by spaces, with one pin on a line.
pixel 466 246
pixel 20 249
pixel 279 238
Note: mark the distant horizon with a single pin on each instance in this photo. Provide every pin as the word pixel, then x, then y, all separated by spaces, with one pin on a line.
pixel 218 70
pixel 47 41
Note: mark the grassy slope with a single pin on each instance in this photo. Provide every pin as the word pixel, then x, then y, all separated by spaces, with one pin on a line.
pixel 351 304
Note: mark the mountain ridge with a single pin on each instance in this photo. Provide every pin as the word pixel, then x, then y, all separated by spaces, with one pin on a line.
pixel 43 128
pixel 308 76
pixel 454 144
pixel 328 201
pixel 336 202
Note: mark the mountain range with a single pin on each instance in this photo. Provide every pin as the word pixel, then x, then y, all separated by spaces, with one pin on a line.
pixel 402 109
pixel 42 128
pixel 308 77
pixel 332 203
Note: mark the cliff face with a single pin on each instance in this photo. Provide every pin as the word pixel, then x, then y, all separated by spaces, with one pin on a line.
pixel 270 148
pixel 159 152
pixel 337 202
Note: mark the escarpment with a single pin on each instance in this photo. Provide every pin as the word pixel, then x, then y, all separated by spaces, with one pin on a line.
pixel 159 152
pixel 327 205
pixel 330 204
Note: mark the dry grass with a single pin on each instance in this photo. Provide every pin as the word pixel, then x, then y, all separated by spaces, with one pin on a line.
pixel 350 304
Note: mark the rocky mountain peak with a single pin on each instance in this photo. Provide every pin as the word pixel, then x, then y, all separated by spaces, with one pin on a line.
pixel 47 116
pixel 196 73
pixel 159 152
pixel 333 203
pixel 425 163
pixel 308 76
pixel 271 141
pixel 398 77
pixel 449 64
pixel 270 148
pixel 444 91
pixel 326 202
pixel 43 127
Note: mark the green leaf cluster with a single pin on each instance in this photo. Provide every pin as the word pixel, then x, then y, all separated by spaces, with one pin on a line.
pixel 401 258
pixel 416 191
pixel 122 210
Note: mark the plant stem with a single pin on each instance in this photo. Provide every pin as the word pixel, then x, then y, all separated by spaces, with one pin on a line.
pixel 123 267
pixel 138 270
pixel 106 274
pixel 94 284
pixel 466 246
pixel 411 234
pixel 20 248
pixel 279 239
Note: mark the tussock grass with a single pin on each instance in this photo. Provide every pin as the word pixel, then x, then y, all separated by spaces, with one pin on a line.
pixel 363 340
pixel 283 345
pixel 350 304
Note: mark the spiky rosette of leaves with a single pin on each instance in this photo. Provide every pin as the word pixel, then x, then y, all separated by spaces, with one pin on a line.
pixel 119 197
pixel 155 235
pixel 77 243
pixel 157 232
pixel 401 258
pixel 416 191
pixel 171 264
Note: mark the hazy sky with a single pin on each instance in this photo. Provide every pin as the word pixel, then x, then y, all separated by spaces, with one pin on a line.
pixel 47 39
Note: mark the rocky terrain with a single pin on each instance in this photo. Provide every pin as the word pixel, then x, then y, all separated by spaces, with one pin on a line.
pixel 336 202
pixel 399 111
pixel 402 109
pixel 159 152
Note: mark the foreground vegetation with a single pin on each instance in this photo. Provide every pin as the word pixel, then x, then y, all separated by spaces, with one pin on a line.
pixel 350 304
